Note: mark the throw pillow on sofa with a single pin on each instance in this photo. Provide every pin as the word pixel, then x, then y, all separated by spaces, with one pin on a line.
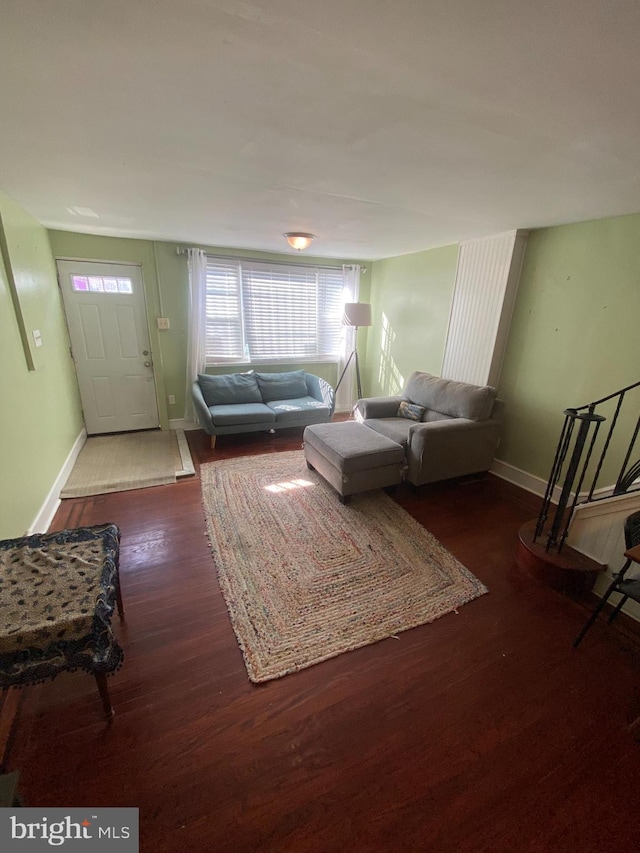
pixel 410 411
pixel 229 388
pixel 282 386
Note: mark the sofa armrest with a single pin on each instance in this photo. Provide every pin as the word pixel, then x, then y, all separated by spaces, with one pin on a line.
pixel 439 435
pixel 377 407
pixel 202 410
pixel 440 450
pixel 320 390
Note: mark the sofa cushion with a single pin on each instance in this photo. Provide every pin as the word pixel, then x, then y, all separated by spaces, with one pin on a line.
pixel 410 411
pixel 430 415
pixel 229 388
pixel 301 409
pixel 242 413
pixel 350 446
pixel 397 429
pixel 282 386
pixel 457 399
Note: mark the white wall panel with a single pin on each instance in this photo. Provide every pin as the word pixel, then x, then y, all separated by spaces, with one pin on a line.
pixel 487 279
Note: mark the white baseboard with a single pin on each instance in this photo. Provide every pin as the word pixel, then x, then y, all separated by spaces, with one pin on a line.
pixel 43 519
pixel 180 423
pixel 521 478
pixel 534 484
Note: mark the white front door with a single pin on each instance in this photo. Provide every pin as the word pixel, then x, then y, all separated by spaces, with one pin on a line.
pixel 107 321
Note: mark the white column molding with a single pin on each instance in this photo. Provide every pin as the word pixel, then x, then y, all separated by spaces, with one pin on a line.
pixel 487 278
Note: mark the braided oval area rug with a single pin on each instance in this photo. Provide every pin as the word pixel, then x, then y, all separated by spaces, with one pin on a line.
pixel 306 578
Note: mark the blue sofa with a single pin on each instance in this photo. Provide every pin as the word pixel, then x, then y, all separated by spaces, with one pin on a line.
pixel 250 402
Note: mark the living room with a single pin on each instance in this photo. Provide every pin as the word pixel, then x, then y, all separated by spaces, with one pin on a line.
pixel 556 354
pixel 572 339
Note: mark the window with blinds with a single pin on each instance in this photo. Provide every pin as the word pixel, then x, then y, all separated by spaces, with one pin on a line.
pixel 261 312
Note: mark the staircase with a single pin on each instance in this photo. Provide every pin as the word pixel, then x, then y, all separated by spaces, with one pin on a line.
pixel 578 532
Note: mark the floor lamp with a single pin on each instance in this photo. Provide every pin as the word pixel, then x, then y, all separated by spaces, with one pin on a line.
pixel 356 314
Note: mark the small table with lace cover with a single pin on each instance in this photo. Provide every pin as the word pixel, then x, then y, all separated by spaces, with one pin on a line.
pixel 58 592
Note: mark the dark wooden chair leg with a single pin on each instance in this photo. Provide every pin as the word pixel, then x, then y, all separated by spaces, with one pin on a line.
pixel 595 614
pixel 101 681
pixel 612 588
pixel 119 600
pixel 589 623
pixel 617 609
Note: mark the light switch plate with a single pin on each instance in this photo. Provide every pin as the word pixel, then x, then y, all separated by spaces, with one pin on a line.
pixel 37 337
pixel 163 323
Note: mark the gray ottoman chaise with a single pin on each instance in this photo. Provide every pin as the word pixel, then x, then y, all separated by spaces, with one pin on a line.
pixel 353 458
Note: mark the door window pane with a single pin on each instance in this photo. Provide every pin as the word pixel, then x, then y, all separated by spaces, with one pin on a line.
pixel 101 284
pixel 80 282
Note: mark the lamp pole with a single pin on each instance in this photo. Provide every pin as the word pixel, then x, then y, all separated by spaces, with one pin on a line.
pixel 356 314
pixel 354 352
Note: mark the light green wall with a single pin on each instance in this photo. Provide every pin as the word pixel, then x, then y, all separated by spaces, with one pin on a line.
pixel 41 415
pixel 574 336
pixel 166 287
pixel 411 299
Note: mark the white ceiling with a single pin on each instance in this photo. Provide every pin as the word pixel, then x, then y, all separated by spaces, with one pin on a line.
pixel 382 127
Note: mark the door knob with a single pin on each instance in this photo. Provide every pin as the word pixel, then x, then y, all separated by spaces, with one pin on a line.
pixel 147 364
pixel 145 352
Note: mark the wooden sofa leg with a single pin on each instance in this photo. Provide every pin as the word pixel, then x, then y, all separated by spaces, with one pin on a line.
pixel 213 441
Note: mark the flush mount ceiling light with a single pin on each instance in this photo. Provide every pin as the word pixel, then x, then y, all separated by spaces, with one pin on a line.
pixel 298 240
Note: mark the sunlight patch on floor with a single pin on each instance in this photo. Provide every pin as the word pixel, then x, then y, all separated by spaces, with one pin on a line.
pixel 288 485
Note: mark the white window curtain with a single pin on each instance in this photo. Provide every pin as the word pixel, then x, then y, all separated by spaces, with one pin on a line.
pixel 346 395
pixel 197 263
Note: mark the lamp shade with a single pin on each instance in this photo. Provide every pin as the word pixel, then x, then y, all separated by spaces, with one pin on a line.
pixel 357 314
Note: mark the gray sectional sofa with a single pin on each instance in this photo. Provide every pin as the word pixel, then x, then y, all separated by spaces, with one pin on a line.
pixel 251 402
pixel 447 429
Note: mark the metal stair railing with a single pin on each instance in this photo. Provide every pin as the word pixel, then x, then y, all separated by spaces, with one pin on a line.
pixel 578 442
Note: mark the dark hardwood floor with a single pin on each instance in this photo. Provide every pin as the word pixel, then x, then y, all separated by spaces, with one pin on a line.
pixel 484 731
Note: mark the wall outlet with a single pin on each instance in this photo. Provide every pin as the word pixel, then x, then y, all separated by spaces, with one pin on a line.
pixel 37 337
pixel 163 323
pixel 172 399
